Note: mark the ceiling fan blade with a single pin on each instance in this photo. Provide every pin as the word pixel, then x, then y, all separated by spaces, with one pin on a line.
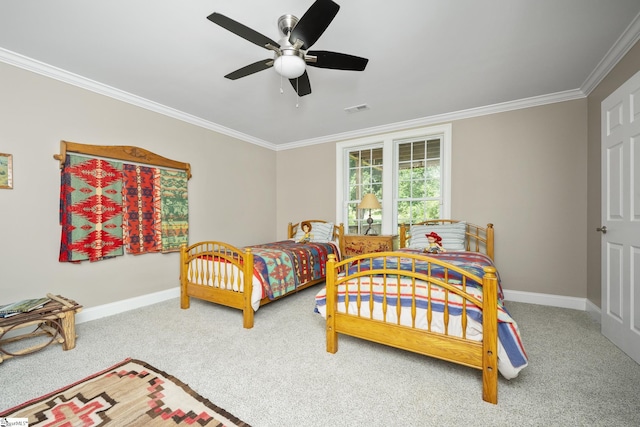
pixel 250 69
pixel 337 61
pixel 313 23
pixel 241 30
pixel 302 85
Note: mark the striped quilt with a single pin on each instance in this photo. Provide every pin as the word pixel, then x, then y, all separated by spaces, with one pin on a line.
pixel 511 353
pixel 473 262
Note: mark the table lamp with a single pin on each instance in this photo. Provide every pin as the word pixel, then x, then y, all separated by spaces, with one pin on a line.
pixel 369 201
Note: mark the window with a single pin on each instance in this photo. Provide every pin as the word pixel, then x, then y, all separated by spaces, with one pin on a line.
pixel 408 171
pixel 419 179
pixel 365 176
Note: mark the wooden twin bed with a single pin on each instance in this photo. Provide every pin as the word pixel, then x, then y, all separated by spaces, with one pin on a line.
pixel 450 305
pixel 447 305
pixel 234 277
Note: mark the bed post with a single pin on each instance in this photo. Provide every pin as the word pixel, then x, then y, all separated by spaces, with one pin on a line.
pixel 490 336
pixel 403 236
pixel 332 335
pixel 290 233
pixel 247 282
pixel 490 241
pixel 184 268
pixel 341 239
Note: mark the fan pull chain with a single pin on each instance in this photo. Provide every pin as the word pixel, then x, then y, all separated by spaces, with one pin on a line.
pixel 297 90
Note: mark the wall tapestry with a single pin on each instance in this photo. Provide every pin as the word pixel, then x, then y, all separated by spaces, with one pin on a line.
pixel 143 213
pixel 108 206
pixel 175 210
pixel 90 209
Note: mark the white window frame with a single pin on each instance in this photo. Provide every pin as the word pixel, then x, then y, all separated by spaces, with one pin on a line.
pixel 389 172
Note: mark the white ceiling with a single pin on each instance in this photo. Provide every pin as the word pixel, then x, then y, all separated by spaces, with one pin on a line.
pixel 427 58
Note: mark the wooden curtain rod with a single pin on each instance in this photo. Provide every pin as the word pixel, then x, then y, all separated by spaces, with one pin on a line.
pixel 120 152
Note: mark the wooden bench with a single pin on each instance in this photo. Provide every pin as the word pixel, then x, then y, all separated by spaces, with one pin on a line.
pixel 56 319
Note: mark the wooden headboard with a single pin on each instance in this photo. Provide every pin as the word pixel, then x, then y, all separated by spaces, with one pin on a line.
pixel 338 231
pixel 477 238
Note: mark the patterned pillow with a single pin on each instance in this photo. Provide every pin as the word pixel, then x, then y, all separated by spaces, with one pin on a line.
pixel 321 232
pixel 453 235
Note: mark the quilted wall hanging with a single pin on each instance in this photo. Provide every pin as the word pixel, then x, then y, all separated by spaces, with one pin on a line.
pixel 142 202
pixel 109 206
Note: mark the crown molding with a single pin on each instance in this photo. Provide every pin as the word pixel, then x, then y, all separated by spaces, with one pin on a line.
pixel 624 43
pixel 620 48
pixel 59 74
pixel 440 118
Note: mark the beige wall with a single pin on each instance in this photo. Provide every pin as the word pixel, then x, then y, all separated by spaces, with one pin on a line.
pixel 306 185
pixel 524 171
pixel 231 194
pixel 625 69
pixel 528 171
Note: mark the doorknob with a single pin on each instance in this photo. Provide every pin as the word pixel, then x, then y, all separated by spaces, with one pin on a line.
pixel 603 229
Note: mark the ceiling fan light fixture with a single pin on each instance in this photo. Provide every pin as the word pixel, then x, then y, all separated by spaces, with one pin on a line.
pixel 291 53
pixel 289 66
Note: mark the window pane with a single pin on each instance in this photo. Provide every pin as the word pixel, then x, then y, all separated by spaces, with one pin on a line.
pixel 353 192
pixel 365 176
pixel 365 157
pixel 432 187
pixel 414 212
pixel 352 227
pixel 376 175
pixel 418 150
pixel 404 212
pixel 433 210
pixel 417 189
pixel 433 169
pixel 433 149
pixel 353 160
pixel 419 180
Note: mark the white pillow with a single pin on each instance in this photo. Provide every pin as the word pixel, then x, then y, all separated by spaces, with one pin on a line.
pixel 321 232
pixel 453 235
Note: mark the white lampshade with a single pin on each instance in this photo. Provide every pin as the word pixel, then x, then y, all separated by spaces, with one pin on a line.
pixel 289 66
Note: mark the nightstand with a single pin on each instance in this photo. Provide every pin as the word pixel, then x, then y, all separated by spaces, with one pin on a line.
pixel 355 244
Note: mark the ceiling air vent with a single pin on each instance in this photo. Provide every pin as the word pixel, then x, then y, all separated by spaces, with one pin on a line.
pixel 356 108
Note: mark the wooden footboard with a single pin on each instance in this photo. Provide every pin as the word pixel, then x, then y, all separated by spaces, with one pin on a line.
pixel 219 273
pixel 412 325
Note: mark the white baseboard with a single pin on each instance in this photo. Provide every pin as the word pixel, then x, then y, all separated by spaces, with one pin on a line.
pixel 594 311
pixel 546 299
pixel 110 309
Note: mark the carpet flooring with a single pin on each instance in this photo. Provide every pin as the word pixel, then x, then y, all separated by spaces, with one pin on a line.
pixel 279 373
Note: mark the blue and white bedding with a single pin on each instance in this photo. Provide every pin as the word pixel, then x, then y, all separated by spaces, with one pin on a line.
pixel 512 357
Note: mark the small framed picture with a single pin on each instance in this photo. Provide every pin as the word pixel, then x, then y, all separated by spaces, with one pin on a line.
pixel 6 170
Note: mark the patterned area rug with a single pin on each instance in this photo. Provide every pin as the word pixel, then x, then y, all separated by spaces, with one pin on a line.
pixel 131 393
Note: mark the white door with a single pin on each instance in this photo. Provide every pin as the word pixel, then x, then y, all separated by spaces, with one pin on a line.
pixel 621 216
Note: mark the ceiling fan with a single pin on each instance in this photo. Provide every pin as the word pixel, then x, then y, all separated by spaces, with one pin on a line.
pixel 291 52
